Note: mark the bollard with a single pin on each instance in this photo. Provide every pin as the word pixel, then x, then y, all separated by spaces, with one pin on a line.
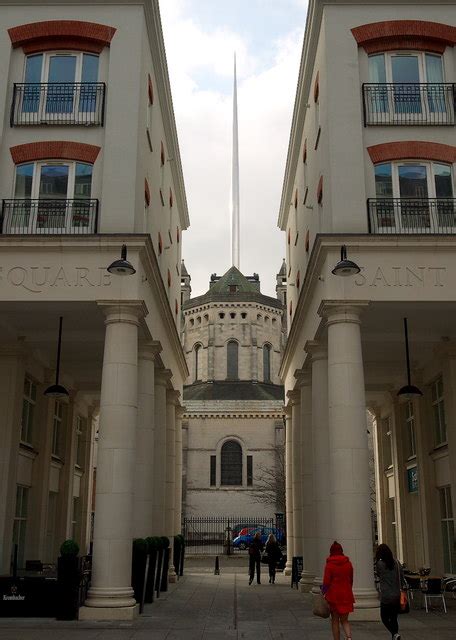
pixel 217 566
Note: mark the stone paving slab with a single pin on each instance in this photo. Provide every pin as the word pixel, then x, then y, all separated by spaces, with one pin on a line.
pixel 202 606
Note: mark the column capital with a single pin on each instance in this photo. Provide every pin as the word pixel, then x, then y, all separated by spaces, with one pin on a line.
pixel 163 376
pixel 303 377
pixel 316 350
pixel 149 350
pixel 287 412
pixel 336 311
pixel 180 410
pixel 172 396
pixel 130 312
pixel 294 396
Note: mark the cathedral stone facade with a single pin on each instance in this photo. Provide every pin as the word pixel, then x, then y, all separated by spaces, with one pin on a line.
pixel 233 338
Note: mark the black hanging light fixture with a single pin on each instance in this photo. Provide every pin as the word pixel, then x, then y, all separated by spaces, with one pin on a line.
pixel 57 390
pixel 122 267
pixel 409 391
pixel 345 267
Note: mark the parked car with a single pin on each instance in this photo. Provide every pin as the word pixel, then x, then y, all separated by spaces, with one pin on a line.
pixel 244 540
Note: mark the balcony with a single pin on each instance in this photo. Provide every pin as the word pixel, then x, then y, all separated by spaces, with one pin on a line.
pixel 412 215
pixel 48 217
pixel 60 103
pixel 409 104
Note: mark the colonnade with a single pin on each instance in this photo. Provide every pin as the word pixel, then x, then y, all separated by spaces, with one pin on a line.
pixel 139 466
pixel 327 462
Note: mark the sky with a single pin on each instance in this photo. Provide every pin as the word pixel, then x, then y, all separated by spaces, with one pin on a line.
pixel 201 37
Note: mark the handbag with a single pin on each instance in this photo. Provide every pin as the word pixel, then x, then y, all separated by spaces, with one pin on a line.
pixel 320 606
pixel 404 606
pixel 264 558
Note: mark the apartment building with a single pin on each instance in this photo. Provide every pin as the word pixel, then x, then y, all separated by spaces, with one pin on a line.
pixel 89 162
pixel 370 167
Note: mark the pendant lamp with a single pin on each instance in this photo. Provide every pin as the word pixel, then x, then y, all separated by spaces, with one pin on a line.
pixel 409 391
pixel 57 390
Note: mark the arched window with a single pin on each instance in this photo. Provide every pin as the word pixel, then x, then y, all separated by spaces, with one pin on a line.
pixel 267 363
pixel 232 360
pixel 231 463
pixel 197 362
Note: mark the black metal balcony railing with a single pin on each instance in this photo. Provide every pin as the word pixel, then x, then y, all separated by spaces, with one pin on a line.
pixel 49 216
pixel 409 104
pixel 60 103
pixel 412 215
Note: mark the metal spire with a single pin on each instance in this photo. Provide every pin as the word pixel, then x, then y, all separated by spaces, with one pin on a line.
pixel 235 238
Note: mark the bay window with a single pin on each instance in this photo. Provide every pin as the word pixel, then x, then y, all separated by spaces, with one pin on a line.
pixel 414 197
pixel 407 88
pixel 51 197
pixel 59 88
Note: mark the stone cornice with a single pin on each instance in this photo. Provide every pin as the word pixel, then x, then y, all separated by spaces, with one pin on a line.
pixel 357 242
pixel 232 414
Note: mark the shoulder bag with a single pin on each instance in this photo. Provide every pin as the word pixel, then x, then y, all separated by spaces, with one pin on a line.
pixel 404 606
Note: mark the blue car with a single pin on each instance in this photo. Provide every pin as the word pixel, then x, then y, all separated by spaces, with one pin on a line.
pixel 243 541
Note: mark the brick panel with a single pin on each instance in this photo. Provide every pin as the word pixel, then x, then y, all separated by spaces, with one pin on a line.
pixel 412 150
pixel 404 34
pixel 49 150
pixel 61 34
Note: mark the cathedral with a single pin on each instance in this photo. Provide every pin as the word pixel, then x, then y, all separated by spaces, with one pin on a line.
pixel 233 435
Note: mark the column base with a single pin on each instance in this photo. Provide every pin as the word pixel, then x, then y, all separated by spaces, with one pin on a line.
pixel 172 577
pixel 287 570
pixel 109 613
pixel 316 584
pixel 306 582
pixel 367 605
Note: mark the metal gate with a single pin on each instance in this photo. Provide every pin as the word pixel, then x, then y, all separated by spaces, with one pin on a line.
pixel 209 535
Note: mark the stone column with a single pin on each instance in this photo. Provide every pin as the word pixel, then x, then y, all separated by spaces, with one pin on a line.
pixel 348 450
pixel 111 595
pixel 178 472
pixel 289 489
pixel 144 467
pixel 295 402
pixel 307 498
pixel 170 493
pixel 162 376
pixel 320 455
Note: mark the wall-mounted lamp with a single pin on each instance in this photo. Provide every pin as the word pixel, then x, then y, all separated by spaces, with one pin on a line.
pixel 122 267
pixel 345 267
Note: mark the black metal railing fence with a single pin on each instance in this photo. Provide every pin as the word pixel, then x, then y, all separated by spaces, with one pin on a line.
pixel 409 104
pixel 209 534
pixel 58 103
pixel 412 215
pixel 76 216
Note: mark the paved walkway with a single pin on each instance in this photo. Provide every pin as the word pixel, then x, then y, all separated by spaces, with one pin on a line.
pixel 207 607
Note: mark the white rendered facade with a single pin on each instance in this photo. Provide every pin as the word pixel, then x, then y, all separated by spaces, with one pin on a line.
pixel 82 173
pixel 345 349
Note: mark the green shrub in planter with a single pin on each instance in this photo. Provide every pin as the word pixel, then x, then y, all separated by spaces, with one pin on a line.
pixel 69 548
pixel 138 566
pixel 68 577
pixel 165 542
pixel 153 546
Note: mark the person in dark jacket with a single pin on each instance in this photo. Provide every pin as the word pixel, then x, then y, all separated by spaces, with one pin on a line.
pixel 255 551
pixel 337 589
pixel 390 580
pixel 274 554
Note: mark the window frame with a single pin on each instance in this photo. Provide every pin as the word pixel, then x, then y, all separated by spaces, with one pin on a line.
pixel 20 522
pixel 438 402
pixel 225 472
pixel 447 519
pixel 422 68
pixel 409 419
pixel 58 427
pixel 31 401
pixel 232 366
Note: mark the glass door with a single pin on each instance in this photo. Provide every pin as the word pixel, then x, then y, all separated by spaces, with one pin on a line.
pixel 62 74
pixel 414 194
pixel 52 193
pixel 405 72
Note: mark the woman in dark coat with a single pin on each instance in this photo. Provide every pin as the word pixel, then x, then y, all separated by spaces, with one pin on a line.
pixel 255 550
pixel 390 580
pixel 274 554
pixel 337 588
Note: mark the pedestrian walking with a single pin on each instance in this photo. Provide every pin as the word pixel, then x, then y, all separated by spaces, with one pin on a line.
pixel 255 550
pixel 337 588
pixel 390 582
pixel 274 554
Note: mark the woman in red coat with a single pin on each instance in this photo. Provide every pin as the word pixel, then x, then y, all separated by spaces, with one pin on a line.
pixel 337 588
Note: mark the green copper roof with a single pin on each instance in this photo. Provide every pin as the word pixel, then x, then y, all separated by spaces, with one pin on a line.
pixel 233 277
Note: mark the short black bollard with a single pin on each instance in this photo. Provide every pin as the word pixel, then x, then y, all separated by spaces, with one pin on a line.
pixel 217 566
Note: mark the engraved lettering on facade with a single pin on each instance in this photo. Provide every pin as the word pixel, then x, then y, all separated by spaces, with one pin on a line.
pixel 415 276
pixel 37 279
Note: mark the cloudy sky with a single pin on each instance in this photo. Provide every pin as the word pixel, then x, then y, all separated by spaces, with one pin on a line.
pixel 201 37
